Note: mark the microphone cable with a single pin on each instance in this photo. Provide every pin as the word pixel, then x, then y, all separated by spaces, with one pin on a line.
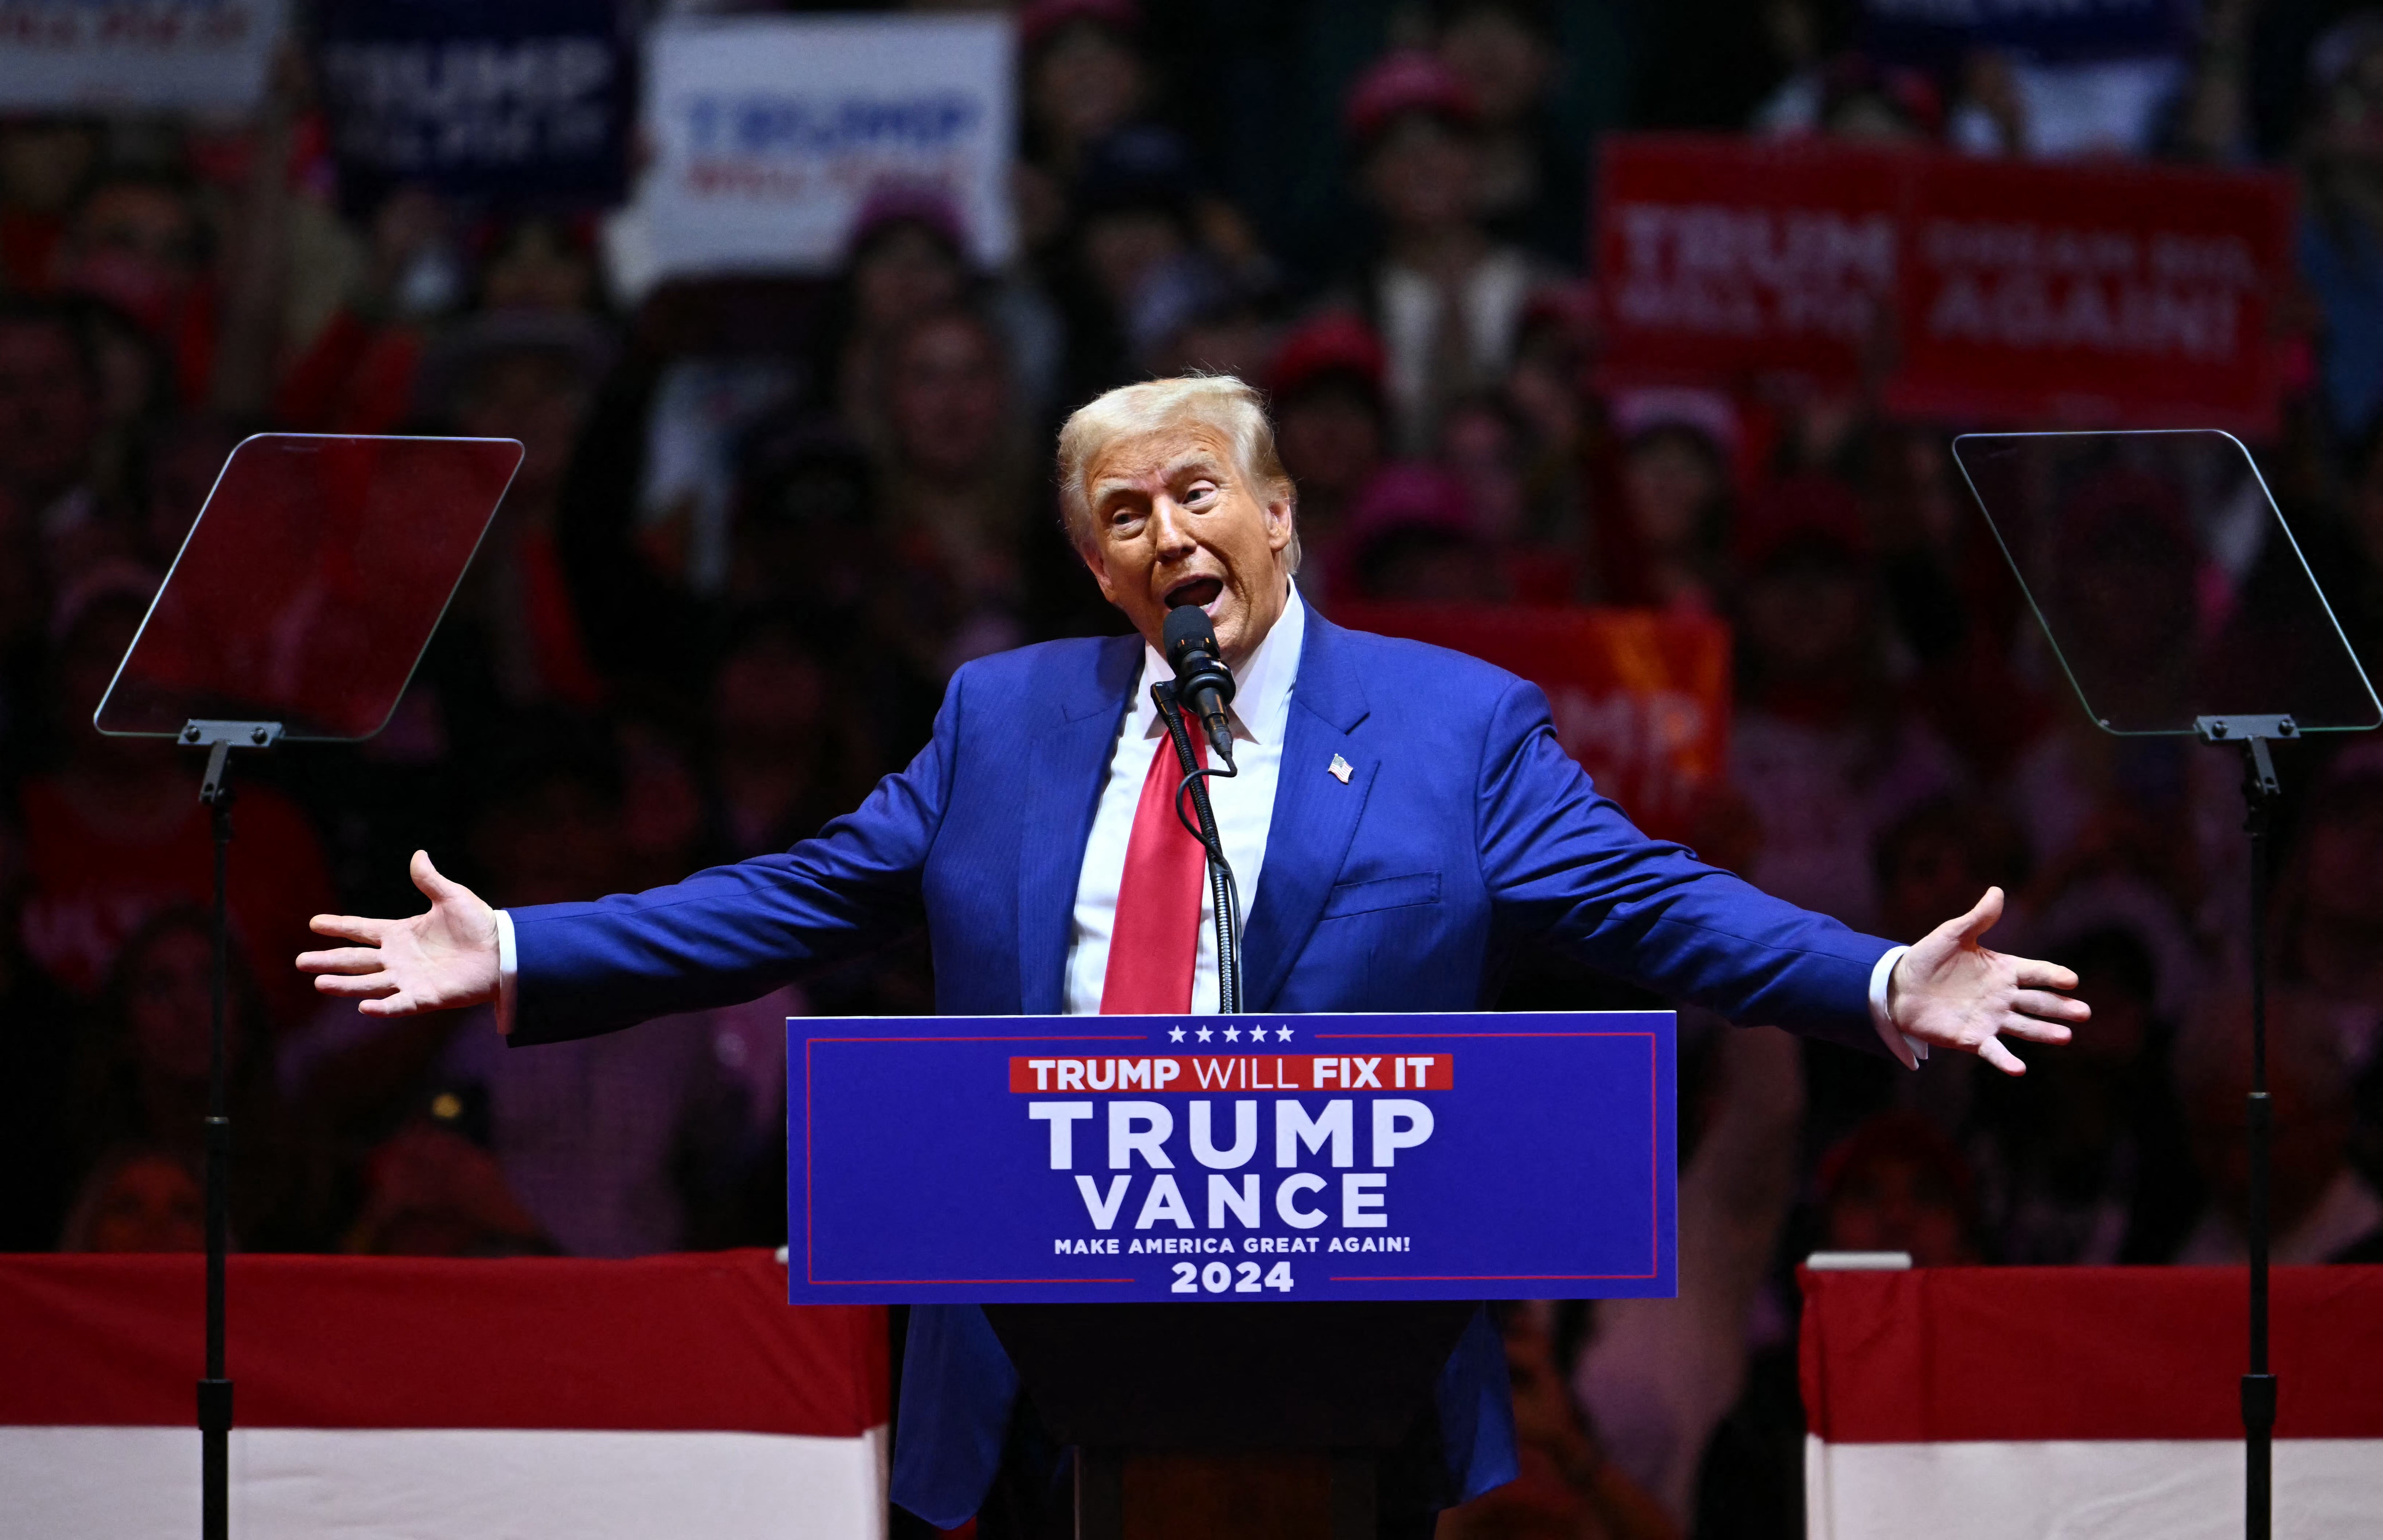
pixel 1225 894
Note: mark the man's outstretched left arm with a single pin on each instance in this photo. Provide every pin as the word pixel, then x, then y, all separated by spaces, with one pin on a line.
pixel 1564 863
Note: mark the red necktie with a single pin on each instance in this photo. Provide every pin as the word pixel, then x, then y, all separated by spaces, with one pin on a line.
pixel 1155 944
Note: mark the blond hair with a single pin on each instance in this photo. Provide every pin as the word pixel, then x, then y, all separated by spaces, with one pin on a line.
pixel 1225 405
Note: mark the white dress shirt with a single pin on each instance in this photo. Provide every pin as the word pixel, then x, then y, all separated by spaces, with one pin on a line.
pixel 1245 806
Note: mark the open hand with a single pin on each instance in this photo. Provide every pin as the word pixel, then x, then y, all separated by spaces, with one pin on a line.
pixel 438 960
pixel 1953 993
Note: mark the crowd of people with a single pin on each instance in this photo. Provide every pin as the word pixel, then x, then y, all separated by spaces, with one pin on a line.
pixel 761 519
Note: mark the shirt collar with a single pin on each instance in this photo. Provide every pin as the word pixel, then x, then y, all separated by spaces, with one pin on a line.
pixel 1261 707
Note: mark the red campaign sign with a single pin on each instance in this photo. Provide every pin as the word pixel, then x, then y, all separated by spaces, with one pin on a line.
pixel 1640 697
pixel 2134 296
pixel 1726 255
pixel 1997 291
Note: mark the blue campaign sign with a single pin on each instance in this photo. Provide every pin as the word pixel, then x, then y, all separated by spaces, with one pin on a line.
pixel 524 102
pixel 1062 1159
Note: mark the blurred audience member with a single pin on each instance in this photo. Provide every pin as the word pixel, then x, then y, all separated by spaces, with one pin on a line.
pixel 1488 445
pixel 525 374
pixel 430 1191
pixel 2320 1207
pixel 2328 904
pixel 1413 538
pixel 2341 230
pixel 2084 1159
pixel 1331 428
pixel 1447 298
pixel 1533 182
pixel 1897 1184
pixel 136 240
pixel 178 462
pixel 905 257
pixel 2327 931
pixel 1085 78
pixel 1662 547
pixel 45 164
pixel 539 264
pixel 143 1079
pixel 357 374
pixel 1137 263
pixel 2123 598
pixel 1938 857
pixel 115 832
pixel 138 1200
pixel 784 757
pixel 1567 1488
pixel 957 487
pixel 1820 747
pixel 1854 97
pixel 50 416
pixel 1934 860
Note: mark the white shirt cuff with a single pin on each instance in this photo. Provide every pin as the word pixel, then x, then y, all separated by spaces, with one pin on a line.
pixel 1908 1052
pixel 509 964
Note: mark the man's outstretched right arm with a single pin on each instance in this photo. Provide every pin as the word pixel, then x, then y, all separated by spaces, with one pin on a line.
pixel 729 934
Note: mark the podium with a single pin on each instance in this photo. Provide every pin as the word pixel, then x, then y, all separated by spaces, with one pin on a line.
pixel 1227 1258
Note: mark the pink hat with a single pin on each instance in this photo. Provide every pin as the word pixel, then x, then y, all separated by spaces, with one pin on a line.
pixel 907 201
pixel 1410 494
pixel 1406 81
pixel 1643 409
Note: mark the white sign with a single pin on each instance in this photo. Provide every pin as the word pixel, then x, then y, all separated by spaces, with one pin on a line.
pixel 769 133
pixel 100 54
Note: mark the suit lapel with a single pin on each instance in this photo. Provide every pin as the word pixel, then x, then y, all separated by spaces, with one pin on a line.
pixel 1066 764
pixel 1314 814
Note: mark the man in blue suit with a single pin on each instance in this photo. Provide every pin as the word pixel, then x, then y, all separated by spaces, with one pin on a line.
pixel 1401 822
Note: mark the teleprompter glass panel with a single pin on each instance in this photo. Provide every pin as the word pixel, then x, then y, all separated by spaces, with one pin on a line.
pixel 310 584
pixel 2165 579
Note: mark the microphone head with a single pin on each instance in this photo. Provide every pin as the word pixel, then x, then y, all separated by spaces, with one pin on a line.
pixel 1187 631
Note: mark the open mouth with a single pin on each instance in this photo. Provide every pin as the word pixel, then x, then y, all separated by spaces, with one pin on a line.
pixel 1202 591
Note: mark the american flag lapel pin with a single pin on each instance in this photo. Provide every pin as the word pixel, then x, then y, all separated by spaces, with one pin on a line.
pixel 1339 769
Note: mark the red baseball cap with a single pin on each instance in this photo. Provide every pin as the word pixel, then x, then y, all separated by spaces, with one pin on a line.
pixel 1337 342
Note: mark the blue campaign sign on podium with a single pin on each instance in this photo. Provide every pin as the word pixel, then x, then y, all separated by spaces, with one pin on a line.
pixel 1110 1159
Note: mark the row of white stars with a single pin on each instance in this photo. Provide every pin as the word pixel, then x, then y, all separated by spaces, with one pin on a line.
pixel 1232 1034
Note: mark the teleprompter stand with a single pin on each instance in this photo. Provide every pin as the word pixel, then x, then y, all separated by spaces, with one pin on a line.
pixel 2260 790
pixel 218 738
pixel 296 610
pixel 2177 603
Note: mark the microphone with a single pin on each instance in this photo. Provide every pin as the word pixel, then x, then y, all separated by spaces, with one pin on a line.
pixel 1202 684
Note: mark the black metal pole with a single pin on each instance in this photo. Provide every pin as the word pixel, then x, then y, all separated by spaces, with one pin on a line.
pixel 2259 788
pixel 214 1390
